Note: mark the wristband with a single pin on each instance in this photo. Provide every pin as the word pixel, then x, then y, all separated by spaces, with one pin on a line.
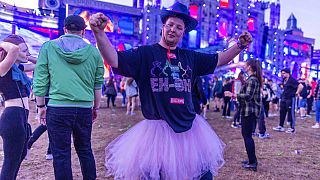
pixel 240 46
pixel 41 106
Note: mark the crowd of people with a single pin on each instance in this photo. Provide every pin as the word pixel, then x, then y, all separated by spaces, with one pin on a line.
pixel 173 141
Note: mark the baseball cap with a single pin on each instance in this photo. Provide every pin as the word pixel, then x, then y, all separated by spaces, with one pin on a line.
pixel 74 23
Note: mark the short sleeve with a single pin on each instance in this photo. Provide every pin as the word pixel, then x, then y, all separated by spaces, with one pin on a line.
pixel 129 63
pixel 205 63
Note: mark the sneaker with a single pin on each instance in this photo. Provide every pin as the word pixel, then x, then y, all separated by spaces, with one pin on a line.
pixel 127 113
pixel 234 126
pixel 290 131
pixel 278 128
pixel 263 136
pixel 316 126
pixel 49 157
pixel 132 113
pixel 228 117
pixel 303 117
pixel 254 134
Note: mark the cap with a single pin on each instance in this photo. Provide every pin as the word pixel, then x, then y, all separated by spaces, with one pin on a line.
pixel 74 23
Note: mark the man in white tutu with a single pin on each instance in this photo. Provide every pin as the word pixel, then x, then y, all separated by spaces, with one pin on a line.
pixel 172 142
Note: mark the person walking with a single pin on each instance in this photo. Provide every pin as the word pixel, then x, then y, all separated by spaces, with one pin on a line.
pixel 291 88
pixel 111 91
pixel 218 94
pixel 42 128
pixel 123 91
pixel 237 85
pixel 199 98
pixel 132 93
pixel 75 71
pixel 227 94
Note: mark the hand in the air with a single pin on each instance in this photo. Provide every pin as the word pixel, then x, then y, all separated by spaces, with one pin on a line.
pixel 98 22
pixel 245 39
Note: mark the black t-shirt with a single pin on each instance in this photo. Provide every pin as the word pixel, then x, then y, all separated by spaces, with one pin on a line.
pixel 9 88
pixel 304 92
pixel 309 89
pixel 289 89
pixel 165 89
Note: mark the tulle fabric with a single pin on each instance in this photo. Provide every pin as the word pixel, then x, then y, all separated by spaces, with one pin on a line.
pixel 152 150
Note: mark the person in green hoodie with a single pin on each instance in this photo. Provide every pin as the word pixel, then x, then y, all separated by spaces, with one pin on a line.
pixel 75 71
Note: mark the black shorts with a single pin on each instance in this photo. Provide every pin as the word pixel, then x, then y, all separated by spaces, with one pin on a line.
pixel 219 96
pixel 136 95
pixel 275 100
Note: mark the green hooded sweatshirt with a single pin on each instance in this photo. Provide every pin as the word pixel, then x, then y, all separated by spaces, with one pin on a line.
pixel 70 70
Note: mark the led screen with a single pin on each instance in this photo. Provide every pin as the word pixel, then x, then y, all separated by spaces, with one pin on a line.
pixel 126 26
pixel 86 14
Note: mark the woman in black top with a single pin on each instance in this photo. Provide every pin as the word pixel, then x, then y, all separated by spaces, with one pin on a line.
pixel 227 94
pixel 250 100
pixel 14 87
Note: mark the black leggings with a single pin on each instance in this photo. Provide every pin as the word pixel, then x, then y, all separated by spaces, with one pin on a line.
pixel 227 102
pixel 35 136
pixel 247 125
pixel 112 98
pixel 13 130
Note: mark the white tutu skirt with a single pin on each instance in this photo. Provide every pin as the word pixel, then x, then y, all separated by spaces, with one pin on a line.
pixel 152 150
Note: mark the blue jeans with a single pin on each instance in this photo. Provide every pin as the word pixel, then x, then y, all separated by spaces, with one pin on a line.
pixel 318 111
pixel 124 95
pixel 303 103
pixel 61 123
pixel 13 130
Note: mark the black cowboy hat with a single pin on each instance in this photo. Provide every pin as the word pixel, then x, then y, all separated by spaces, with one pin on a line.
pixel 180 11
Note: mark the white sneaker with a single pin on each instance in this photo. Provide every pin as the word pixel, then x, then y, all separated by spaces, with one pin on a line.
pixel 278 128
pixel 316 126
pixel 49 157
pixel 290 131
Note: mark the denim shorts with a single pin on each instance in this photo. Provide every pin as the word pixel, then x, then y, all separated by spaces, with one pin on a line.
pixel 303 103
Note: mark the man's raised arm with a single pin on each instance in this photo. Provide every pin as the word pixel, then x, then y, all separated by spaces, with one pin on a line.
pixel 97 23
pixel 225 57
